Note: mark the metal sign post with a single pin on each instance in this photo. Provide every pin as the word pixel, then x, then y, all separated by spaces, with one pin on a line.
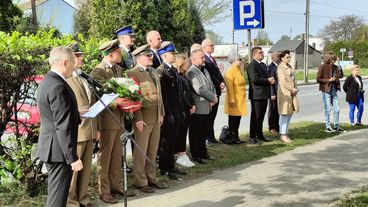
pixel 248 14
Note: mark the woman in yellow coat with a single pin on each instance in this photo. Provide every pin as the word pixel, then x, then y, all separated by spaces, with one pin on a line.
pixel 235 102
pixel 287 102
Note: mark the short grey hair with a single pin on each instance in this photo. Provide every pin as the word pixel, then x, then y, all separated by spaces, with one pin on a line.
pixel 60 53
pixel 233 57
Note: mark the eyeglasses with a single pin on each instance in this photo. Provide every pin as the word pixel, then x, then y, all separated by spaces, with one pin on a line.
pixel 211 45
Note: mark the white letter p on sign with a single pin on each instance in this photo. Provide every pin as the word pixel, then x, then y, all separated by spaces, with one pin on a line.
pixel 243 15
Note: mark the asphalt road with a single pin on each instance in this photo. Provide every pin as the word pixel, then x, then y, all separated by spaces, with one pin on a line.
pixel 311 109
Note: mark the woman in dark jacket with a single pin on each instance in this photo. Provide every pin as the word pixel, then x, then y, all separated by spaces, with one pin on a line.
pixel 181 64
pixel 353 88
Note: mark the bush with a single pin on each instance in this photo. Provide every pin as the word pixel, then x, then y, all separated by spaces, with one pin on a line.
pixel 360 49
pixel 22 57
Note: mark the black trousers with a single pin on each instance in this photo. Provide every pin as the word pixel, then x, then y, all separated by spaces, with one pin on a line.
pixel 181 142
pixel 168 138
pixel 273 115
pixel 259 108
pixel 211 132
pixel 198 129
pixel 58 183
pixel 234 123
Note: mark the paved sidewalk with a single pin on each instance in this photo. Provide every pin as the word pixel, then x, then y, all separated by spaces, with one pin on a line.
pixel 307 176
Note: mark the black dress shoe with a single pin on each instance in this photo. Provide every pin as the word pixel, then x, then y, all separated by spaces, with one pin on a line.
pixel 264 139
pixel 199 160
pixel 238 141
pixel 178 172
pixel 170 175
pixel 254 140
pixel 208 157
pixel 213 140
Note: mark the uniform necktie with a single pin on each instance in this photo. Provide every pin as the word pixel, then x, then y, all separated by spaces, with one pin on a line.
pixel 151 75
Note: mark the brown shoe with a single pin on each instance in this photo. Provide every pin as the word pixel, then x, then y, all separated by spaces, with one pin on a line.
pixel 122 193
pixel 145 189
pixel 107 198
pixel 157 185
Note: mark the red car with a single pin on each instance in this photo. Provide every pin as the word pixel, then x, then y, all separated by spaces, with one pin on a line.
pixel 27 112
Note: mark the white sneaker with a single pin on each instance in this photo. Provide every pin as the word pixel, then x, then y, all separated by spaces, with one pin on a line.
pixel 183 162
pixel 188 160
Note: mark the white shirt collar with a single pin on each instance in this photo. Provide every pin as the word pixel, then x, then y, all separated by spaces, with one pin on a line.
pixel 58 73
pixel 168 64
pixel 275 63
pixel 124 48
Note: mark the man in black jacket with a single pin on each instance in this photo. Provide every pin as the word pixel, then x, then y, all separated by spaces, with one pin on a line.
pixel 273 114
pixel 57 146
pixel 259 92
pixel 171 89
pixel 218 81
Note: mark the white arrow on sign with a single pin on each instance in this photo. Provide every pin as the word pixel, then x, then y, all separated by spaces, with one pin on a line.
pixel 254 23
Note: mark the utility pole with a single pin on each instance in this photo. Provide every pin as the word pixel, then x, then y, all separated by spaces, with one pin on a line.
pixel 34 15
pixel 306 41
pixel 249 45
pixel 233 31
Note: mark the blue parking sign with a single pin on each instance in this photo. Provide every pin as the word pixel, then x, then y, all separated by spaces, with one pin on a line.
pixel 248 14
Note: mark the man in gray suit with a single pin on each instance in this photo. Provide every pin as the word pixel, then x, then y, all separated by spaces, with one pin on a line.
pixel 57 143
pixel 205 97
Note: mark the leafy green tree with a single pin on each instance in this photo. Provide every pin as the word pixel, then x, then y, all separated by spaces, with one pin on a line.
pixel 9 15
pixel 216 38
pixel 342 29
pixel 197 31
pixel 263 38
pixel 212 11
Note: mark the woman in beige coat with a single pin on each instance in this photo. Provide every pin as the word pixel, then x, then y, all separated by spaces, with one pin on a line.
pixel 235 103
pixel 287 101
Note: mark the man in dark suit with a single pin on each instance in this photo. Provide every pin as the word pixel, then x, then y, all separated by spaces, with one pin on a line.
pixel 217 80
pixel 57 143
pixel 172 90
pixel 204 95
pixel 154 41
pixel 259 92
pixel 273 114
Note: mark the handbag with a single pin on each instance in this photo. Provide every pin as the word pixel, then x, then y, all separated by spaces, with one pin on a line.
pixel 225 136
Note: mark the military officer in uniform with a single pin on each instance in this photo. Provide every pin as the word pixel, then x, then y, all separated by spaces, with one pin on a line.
pixel 110 154
pixel 87 132
pixel 126 39
pixel 172 90
pixel 147 122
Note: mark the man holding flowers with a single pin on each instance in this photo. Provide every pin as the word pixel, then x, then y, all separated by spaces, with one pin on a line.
pixel 147 122
pixel 110 154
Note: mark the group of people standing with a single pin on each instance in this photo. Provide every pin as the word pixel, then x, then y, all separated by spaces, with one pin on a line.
pixel 273 85
pixel 184 97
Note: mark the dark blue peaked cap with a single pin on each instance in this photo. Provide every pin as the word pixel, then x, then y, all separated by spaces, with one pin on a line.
pixel 166 47
pixel 127 30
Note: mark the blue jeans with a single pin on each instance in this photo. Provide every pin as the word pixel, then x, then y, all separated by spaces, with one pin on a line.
pixel 328 100
pixel 360 107
pixel 284 122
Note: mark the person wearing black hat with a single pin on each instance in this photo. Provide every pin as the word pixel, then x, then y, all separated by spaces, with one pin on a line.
pixel 87 132
pixel 126 37
pixel 147 122
pixel 110 153
pixel 172 90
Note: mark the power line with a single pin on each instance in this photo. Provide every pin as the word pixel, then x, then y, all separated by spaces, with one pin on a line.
pixel 300 14
pixel 336 7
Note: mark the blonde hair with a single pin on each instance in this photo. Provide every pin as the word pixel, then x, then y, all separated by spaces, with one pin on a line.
pixel 181 59
pixel 354 67
pixel 59 54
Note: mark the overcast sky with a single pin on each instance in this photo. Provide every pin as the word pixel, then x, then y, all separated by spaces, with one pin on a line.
pixel 283 15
